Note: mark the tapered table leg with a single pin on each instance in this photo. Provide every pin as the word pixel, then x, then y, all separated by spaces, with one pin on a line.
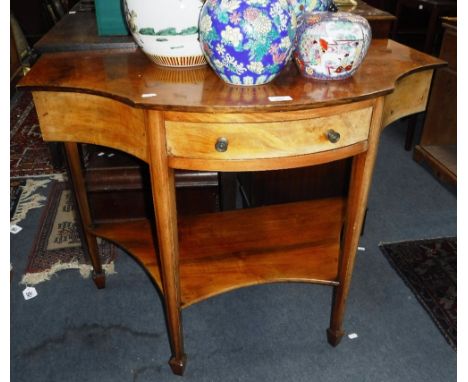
pixel 84 214
pixel 361 176
pixel 163 189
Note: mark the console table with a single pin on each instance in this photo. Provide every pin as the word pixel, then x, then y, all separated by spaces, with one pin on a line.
pixel 119 99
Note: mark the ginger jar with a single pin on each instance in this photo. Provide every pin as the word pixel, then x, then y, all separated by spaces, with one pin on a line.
pixel 331 46
pixel 301 6
pixel 166 30
pixel 247 42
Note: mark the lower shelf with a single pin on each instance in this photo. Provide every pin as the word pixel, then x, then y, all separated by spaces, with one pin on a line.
pixel 441 158
pixel 223 251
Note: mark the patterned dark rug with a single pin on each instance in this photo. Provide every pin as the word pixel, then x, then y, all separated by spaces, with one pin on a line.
pixel 57 245
pixel 429 268
pixel 29 154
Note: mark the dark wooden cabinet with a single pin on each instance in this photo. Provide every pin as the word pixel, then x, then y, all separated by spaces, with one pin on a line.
pixel 118 187
pixel 438 145
pixel 419 22
pixel 37 17
pixel 15 61
pixel 294 185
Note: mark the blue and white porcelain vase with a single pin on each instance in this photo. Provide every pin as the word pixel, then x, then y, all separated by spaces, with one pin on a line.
pixel 331 46
pixel 247 42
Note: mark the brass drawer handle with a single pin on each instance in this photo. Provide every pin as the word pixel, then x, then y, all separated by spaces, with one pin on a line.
pixel 333 136
pixel 221 145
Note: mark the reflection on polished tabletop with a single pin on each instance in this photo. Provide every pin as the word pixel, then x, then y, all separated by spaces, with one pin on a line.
pixel 128 75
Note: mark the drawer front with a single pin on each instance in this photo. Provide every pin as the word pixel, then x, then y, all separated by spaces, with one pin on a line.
pixel 274 139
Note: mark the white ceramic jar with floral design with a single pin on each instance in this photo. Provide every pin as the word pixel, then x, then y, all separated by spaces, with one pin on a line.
pixel 247 42
pixel 332 46
pixel 166 30
pixel 301 6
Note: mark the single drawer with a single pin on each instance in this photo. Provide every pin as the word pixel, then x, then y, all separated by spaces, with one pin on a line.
pixel 272 139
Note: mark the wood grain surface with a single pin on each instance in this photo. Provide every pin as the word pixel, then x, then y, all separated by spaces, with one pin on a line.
pixel 223 251
pixel 132 78
pixel 86 118
pixel 266 139
pixel 410 97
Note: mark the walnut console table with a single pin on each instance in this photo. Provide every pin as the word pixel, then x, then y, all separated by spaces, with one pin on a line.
pixel 119 99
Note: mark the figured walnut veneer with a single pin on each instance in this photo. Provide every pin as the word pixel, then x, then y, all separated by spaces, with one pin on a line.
pixel 71 117
pixel 120 99
pixel 128 75
pixel 288 135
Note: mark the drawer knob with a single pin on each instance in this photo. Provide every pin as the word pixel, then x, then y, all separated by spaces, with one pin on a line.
pixel 333 136
pixel 221 145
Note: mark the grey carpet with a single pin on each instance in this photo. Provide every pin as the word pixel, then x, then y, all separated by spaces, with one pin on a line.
pixel 73 332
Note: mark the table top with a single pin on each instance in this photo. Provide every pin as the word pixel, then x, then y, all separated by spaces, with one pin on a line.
pixel 130 77
pixel 77 31
pixel 451 21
